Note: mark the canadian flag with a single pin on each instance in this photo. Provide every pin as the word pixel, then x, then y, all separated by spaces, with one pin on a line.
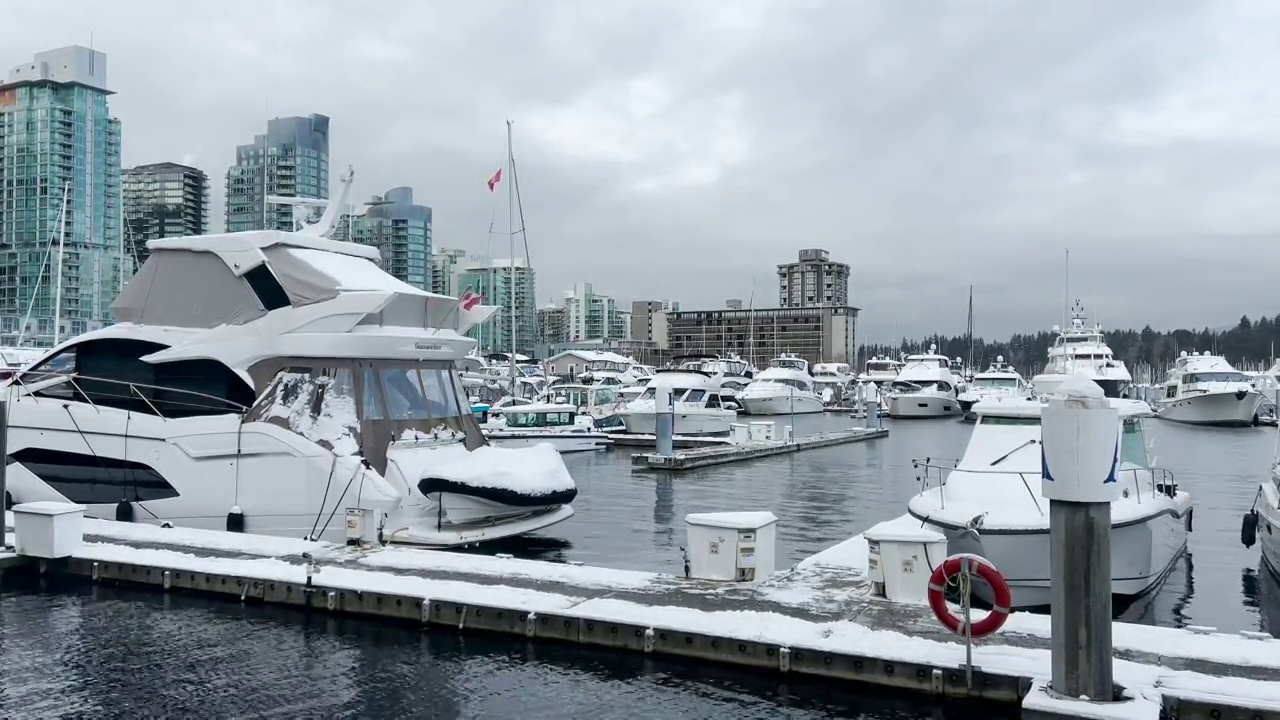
pixel 469 299
pixel 493 181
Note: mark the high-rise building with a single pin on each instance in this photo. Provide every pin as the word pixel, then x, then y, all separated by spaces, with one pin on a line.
pixel 58 140
pixel 493 281
pixel 649 320
pixel 163 200
pixel 552 328
pixel 400 229
pixel 813 281
pixel 447 268
pixel 591 316
pixel 290 160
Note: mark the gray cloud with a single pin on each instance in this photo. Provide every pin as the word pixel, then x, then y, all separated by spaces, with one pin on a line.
pixel 681 150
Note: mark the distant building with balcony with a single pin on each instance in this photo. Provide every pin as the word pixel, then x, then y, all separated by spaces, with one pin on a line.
pixel 290 160
pixel 813 280
pixel 649 320
pixel 553 328
pixel 815 333
pixel 163 200
pixel 447 268
pixel 58 140
pixel 496 282
pixel 400 229
pixel 592 316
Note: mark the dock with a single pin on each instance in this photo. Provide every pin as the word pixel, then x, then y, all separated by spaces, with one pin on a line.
pixel 728 453
pixel 678 441
pixel 818 618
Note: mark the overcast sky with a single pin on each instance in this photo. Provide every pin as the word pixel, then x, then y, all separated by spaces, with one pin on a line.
pixel 681 149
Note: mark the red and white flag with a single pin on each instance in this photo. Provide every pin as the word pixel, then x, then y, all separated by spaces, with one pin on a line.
pixel 493 181
pixel 469 299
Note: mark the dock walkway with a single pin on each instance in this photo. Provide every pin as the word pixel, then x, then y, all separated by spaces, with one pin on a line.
pixel 817 618
pixel 723 454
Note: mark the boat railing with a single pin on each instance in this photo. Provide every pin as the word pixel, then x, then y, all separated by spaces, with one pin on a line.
pixel 125 394
pixel 1148 481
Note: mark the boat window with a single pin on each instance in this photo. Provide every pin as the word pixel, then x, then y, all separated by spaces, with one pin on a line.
pixel 318 405
pixel 523 420
pixel 1207 377
pixel 560 419
pixel 1008 383
pixel 695 396
pixel 1171 391
pixel 264 284
pixel 1005 420
pixel 370 397
pixel 603 396
pixel 1133 444
pixel 713 401
pixel 61 364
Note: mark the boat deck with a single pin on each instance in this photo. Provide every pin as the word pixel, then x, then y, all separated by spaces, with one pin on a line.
pixel 816 618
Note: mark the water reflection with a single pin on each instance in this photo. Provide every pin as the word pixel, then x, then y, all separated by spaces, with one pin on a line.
pixel 112 652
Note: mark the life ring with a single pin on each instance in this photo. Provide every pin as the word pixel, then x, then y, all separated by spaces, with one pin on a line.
pixel 950 569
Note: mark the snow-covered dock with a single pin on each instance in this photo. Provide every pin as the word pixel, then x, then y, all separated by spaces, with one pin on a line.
pixel 731 453
pixel 817 618
pixel 621 439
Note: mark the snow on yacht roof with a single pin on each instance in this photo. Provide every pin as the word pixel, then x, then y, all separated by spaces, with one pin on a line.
pixel 261 240
pixel 354 273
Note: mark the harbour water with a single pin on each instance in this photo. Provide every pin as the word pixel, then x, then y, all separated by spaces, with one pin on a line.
pixel 75 650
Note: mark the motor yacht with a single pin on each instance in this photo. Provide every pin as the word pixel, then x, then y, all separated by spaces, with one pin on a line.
pixel 999 380
pixel 833 382
pixel 1082 349
pixel 559 425
pixel 267 382
pixel 697 406
pixel 786 387
pixel 607 368
pixel 990 503
pixel 1262 522
pixel 1205 390
pixel 881 370
pixel 924 388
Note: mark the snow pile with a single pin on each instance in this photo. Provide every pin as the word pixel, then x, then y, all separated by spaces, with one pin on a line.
pixel 334 426
pixel 534 470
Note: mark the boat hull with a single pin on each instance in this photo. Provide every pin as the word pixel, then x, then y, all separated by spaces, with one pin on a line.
pixel 916 405
pixel 419 528
pixel 1228 409
pixel 1142 553
pixel 565 442
pixel 1268 508
pixel 780 404
pixel 645 423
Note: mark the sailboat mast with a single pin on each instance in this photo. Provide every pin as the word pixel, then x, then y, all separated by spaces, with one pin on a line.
pixel 969 360
pixel 57 287
pixel 1066 289
pixel 511 225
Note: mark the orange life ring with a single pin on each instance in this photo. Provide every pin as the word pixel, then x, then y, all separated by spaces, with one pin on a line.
pixel 980 566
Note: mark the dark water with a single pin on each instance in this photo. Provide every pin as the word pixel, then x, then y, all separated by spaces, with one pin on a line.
pixel 119 653
pixel 107 653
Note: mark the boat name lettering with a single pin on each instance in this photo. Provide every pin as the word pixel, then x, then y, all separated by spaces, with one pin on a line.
pixel 427 346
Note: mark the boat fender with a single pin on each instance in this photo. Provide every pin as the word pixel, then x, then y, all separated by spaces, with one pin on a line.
pixel 1249 529
pixel 8 500
pixel 235 520
pixel 1191 513
pixel 124 511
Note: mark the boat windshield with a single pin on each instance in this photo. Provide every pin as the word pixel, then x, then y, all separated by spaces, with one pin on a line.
pixel 996 383
pixel 338 403
pixel 606 366
pixel 790 363
pixel 539 419
pixel 1208 377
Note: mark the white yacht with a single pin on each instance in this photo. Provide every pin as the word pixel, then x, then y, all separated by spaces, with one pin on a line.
pixel 267 382
pixel 1080 349
pixel 997 381
pixel 1205 390
pixel 924 388
pixel 1262 522
pixel 881 371
pixel 785 387
pixel 695 395
pixel 558 425
pixel 833 381
pixel 990 503
pixel 606 368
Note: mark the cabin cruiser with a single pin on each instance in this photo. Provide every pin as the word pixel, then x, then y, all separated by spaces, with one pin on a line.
pixel 880 370
pixel 266 382
pixel 697 406
pixel 1262 522
pixel 735 373
pixel 1080 349
pixel 990 503
pixel 1205 390
pixel 832 381
pixel 785 387
pixel 997 381
pixel 558 425
pixel 597 405
pixel 924 388
pixel 606 368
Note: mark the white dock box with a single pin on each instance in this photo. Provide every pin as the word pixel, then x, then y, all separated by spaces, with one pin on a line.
pixel 761 430
pixel 731 546
pixel 48 530
pixel 739 434
pixel 901 555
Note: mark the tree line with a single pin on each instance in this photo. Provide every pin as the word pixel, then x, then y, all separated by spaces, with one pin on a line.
pixel 1250 345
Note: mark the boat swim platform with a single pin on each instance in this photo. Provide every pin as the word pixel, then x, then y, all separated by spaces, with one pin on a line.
pixel 693 458
pixel 815 619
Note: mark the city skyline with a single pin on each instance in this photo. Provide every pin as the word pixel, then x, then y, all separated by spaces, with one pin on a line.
pixel 965 149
